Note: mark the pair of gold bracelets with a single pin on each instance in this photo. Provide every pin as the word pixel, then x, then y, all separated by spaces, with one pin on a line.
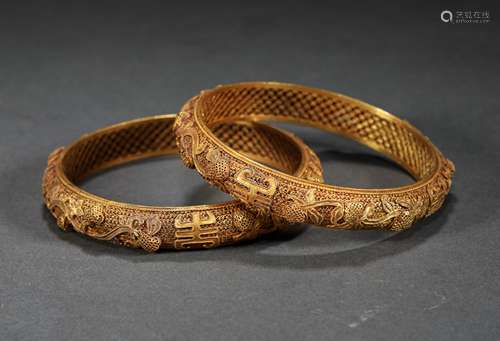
pixel 275 178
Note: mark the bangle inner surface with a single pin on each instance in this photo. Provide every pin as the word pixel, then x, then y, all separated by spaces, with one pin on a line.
pixel 325 110
pixel 124 143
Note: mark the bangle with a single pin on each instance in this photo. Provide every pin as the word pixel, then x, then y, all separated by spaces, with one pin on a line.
pixel 295 200
pixel 149 227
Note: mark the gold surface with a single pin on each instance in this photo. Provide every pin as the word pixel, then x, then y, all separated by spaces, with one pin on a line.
pixel 293 200
pixel 152 228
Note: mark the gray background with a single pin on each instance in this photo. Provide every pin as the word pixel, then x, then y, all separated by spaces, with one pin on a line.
pixel 69 69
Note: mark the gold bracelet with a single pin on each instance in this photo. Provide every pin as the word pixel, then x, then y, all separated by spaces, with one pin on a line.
pixel 152 228
pixel 297 200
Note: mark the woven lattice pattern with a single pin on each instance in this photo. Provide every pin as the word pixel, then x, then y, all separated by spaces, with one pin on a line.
pixel 123 143
pixel 118 143
pixel 328 111
pixel 262 143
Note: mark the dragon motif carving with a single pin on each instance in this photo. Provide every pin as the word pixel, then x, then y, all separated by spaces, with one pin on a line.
pixel 387 213
pixel 67 211
pixel 189 140
pixel 438 190
pixel 141 232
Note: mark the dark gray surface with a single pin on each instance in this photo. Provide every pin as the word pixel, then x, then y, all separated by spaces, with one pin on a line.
pixel 66 70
